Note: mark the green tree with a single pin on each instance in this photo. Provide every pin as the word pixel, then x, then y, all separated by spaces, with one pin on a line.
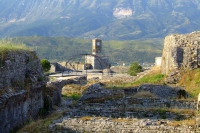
pixel 134 69
pixel 45 65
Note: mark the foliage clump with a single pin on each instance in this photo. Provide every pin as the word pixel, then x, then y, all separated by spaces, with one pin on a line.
pixel 45 65
pixel 134 69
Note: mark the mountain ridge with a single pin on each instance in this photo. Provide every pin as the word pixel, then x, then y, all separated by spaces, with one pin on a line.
pixel 110 20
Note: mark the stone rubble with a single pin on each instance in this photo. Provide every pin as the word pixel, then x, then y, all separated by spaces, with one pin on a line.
pixel 99 125
pixel 101 110
pixel 53 90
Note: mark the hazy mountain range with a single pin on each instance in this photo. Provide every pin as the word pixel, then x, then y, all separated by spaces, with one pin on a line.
pixel 108 19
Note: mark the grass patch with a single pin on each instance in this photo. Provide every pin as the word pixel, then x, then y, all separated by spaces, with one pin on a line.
pixel 74 96
pixel 152 79
pixel 190 80
pixel 190 122
pixel 86 118
pixel 7 44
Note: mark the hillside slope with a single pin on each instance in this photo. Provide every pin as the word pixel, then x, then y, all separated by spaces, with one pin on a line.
pixel 63 48
pixel 123 19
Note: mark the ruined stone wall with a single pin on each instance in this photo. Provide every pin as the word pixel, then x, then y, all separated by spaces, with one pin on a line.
pixel 58 67
pixel 21 82
pixel 111 111
pixel 56 87
pixel 181 52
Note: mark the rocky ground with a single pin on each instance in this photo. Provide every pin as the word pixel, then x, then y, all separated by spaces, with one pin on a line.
pixel 104 116
pixel 109 125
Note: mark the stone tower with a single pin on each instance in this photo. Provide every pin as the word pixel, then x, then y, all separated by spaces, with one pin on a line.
pixel 96 46
pixel 180 53
pixel 97 61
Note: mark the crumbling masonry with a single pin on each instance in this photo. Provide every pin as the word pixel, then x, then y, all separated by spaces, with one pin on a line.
pixel 181 52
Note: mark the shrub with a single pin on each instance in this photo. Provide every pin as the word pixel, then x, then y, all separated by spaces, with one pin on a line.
pixel 45 65
pixel 134 69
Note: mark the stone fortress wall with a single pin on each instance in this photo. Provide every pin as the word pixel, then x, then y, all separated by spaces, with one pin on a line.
pixel 181 52
pixel 21 82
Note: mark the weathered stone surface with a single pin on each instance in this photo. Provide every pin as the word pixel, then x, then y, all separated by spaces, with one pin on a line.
pixel 125 114
pixel 163 91
pixel 180 52
pixel 97 92
pixel 54 88
pixel 20 89
pixel 97 125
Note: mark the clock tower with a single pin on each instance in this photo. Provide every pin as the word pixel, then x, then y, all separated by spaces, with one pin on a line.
pixel 96 46
pixel 97 60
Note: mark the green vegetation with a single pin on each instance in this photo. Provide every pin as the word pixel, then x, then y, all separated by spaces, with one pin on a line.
pixel 63 48
pixel 9 45
pixel 45 65
pixel 74 96
pixel 190 80
pixel 134 69
pixel 151 79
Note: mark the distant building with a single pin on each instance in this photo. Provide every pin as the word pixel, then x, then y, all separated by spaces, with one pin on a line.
pixel 58 67
pixel 97 60
pixel 158 61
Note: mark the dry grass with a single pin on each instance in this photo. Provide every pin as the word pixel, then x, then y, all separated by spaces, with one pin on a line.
pixel 41 125
pixel 191 122
pixel 191 81
pixel 155 70
pixel 86 118
pixel 184 111
pixel 68 90
pixel 7 45
pixel 144 94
